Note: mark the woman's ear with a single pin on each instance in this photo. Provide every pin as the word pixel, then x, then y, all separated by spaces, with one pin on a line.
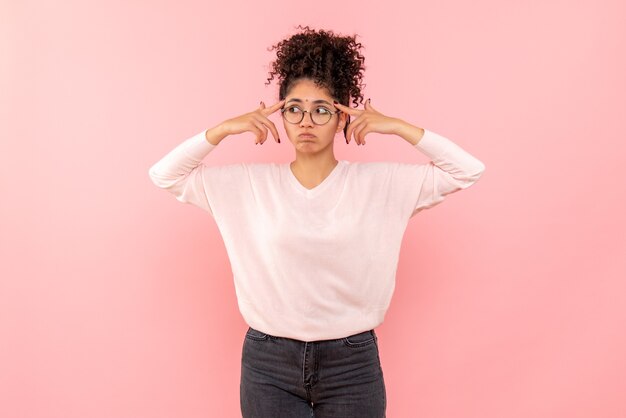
pixel 343 121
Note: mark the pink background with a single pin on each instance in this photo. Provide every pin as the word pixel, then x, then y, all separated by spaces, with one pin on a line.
pixel 117 301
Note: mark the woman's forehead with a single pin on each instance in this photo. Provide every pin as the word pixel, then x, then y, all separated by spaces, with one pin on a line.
pixel 307 100
pixel 307 91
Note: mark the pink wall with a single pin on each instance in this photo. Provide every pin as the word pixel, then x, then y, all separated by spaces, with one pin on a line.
pixel 117 301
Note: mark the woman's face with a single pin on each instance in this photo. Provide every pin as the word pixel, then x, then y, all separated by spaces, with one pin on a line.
pixel 308 96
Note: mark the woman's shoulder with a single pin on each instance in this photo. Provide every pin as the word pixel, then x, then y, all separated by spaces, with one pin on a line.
pixel 264 166
pixel 383 171
pixel 371 166
pixel 251 165
pixel 264 169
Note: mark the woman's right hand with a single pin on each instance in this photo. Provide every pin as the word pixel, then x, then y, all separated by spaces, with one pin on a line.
pixel 255 122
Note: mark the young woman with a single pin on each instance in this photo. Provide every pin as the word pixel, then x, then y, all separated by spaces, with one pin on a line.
pixel 314 243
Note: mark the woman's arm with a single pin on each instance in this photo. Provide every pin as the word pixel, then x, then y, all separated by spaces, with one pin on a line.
pixel 420 186
pixel 180 171
pixel 444 153
pixel 412 134
pixel 451 167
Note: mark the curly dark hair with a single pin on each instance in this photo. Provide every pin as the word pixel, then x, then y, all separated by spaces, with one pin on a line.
pixel 330 60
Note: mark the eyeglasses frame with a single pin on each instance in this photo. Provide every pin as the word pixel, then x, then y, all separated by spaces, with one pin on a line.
pixel 282 111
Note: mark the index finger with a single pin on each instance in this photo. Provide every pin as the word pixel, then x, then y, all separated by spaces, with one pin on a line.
pixel 348 110
pixel 273 108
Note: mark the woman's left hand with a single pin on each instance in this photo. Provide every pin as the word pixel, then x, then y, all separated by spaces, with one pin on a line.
pixel 368 120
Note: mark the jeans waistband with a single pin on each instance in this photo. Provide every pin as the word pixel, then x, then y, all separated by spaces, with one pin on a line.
pixel 261 333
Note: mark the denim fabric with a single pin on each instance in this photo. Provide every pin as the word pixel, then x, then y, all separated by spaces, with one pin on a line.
pixel 284 377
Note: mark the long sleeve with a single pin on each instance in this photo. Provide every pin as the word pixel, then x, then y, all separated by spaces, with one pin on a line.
pixel 181 171
pixel 451 169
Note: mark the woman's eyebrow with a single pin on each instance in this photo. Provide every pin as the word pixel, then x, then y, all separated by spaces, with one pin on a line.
pixel 314 101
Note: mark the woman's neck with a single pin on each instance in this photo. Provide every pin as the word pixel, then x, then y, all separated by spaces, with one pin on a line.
pixel 312 170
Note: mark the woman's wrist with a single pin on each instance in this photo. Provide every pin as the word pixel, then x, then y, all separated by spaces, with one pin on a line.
pixel 411 133
pixel 215 135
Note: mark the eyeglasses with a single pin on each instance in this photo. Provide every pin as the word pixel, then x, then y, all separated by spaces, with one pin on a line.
pixel 320 115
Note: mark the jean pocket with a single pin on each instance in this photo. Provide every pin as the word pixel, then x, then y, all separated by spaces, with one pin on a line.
pixel 256 335
pixel 362 339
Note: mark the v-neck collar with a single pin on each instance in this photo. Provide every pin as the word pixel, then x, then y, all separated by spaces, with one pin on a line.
pixel 317 189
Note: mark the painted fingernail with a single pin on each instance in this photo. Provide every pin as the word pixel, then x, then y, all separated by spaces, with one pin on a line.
pixel 279 140
pixel 335 102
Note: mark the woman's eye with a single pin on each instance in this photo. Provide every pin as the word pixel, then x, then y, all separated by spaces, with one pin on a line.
pixel 290 109
pixel 322 110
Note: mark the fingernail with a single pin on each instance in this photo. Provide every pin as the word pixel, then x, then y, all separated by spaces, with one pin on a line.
pixel 335 102
pixel 369 100
pixel 279 140
pixel 346 140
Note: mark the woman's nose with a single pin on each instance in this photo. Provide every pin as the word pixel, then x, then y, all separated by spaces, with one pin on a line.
pixel 307 120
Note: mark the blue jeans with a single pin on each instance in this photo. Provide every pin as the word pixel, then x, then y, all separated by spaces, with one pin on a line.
pixel 284 377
